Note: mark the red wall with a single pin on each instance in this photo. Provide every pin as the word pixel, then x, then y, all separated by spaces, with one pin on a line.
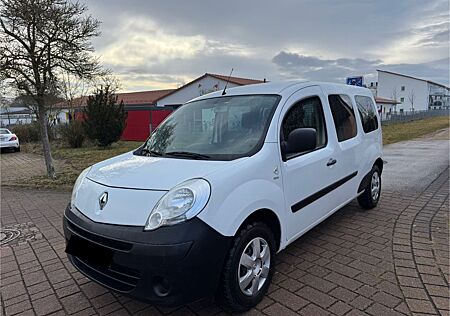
pixel 138 123
pixel 159 116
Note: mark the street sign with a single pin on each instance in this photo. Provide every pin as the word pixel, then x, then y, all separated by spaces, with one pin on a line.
pixel 355 81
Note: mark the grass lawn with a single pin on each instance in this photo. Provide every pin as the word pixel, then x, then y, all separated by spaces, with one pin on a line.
pixel 398 132
pixel 75 160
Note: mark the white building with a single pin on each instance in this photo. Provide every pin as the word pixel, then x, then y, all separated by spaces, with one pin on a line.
pixel 413 94
pixel 200 86
pixel 14 116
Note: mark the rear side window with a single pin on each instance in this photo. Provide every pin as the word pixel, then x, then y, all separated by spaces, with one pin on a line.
pixel 343 116
pixel 367 112
pixel 305 113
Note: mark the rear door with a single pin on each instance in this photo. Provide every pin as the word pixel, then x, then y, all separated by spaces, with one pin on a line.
pixel 348 143
pixel 311 180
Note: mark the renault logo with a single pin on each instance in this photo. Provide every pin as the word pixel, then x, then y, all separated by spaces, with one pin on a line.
pixel 102 200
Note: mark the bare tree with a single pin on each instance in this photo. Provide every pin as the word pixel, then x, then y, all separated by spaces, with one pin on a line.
pixel 40 39
pixel 7 95
pixel 412 98
pixel 394 97
pixel 73 90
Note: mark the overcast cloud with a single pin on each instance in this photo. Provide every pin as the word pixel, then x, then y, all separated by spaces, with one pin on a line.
pixel 163 44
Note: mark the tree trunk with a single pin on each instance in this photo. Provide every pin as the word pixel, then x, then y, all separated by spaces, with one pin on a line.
pixel 46 143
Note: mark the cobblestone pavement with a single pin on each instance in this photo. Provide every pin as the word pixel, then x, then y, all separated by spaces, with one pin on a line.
pixel 392 260
pixel 17 167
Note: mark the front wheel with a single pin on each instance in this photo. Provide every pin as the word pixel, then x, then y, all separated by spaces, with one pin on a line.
pixel 248 268
pixel 371 195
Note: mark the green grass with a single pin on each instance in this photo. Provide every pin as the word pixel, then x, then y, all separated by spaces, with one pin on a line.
pixel 73 161
pixel 394 133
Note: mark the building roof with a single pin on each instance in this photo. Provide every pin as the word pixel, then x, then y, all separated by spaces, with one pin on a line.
pixel 142 97
pixel 236 80
pixel 128 98
pixel 23 111
pixel 411 77
pixel 386 101
pixel 151 97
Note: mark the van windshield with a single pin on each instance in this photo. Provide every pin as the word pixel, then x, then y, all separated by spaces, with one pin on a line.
pixel 222 128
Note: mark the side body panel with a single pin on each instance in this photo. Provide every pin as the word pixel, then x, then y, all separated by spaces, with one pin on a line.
pixel 312 189
pixel 253 183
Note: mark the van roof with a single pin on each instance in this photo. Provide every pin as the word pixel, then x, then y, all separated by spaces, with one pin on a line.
pixel 285 88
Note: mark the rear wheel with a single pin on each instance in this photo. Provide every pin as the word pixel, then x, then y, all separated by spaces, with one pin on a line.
pixel 371 195
pixel 17 149
pixel 248 268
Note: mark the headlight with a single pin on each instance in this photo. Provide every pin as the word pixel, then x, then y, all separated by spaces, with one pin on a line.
pixel 77 184
pixel 181 203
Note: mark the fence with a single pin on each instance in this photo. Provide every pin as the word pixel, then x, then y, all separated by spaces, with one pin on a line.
pixel 390 118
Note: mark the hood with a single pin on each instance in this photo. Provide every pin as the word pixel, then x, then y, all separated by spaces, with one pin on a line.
pixel 150 173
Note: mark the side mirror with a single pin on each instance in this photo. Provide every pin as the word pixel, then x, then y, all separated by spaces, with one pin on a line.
pixel 300 140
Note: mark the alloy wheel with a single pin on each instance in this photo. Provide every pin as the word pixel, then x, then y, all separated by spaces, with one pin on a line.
pixel 254 266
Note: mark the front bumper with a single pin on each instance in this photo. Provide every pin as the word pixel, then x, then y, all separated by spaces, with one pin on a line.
pixel 170 266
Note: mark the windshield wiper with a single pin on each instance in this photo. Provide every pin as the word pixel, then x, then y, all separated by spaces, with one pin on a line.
pixel 146 151
pixel 186 154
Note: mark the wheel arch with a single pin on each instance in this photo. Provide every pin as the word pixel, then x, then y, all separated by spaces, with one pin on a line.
pixel 366 179
pixel 379 163
pixel 268 217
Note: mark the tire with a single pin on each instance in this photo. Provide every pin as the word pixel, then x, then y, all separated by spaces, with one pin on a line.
pixel 17 149
pixel 369 199
pixel 230 295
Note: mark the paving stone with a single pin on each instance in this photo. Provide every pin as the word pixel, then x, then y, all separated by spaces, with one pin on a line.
pixel 18 308
pixel 348 265
pixel 343 294
pixel 340 308
pixel 289 299
pixel 75 303
pixel 316 296
pixel 46 305
pixel 378 309
pixel 361 302
pixel 386 299
pixel 312 309
pixel 420 306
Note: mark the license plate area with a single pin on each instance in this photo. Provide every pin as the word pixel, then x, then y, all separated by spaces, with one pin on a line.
pixel 89 251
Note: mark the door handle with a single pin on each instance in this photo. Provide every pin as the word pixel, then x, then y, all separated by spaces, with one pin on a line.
pixel 331 162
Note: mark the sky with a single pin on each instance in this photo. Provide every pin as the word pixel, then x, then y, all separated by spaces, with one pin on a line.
pixel 164 44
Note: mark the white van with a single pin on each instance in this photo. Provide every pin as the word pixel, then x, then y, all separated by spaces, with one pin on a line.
pixel 223 184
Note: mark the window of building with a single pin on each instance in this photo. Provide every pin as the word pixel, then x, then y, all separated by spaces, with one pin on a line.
pixel 402 88
pixel 366 109
pixel 306 113
pixel 402 100
pixel 343 116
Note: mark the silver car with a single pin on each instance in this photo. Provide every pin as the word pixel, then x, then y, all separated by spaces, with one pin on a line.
pixel 9 140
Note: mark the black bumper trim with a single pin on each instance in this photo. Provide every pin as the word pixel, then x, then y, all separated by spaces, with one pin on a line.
pixel 314 197
pixel 174 255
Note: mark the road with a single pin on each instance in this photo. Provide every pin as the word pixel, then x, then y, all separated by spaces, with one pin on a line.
pixel 412 165
pixel 391 260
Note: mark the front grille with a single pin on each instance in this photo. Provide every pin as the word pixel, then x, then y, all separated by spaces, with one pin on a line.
pixel 111 243
pixel 113 279
pixel 94 256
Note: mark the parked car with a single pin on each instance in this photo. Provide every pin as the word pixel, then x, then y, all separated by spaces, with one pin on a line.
pixel 224 184
pixel 9 140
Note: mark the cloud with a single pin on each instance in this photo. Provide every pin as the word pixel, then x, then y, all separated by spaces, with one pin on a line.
pixel 294 65
pixel 153 44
